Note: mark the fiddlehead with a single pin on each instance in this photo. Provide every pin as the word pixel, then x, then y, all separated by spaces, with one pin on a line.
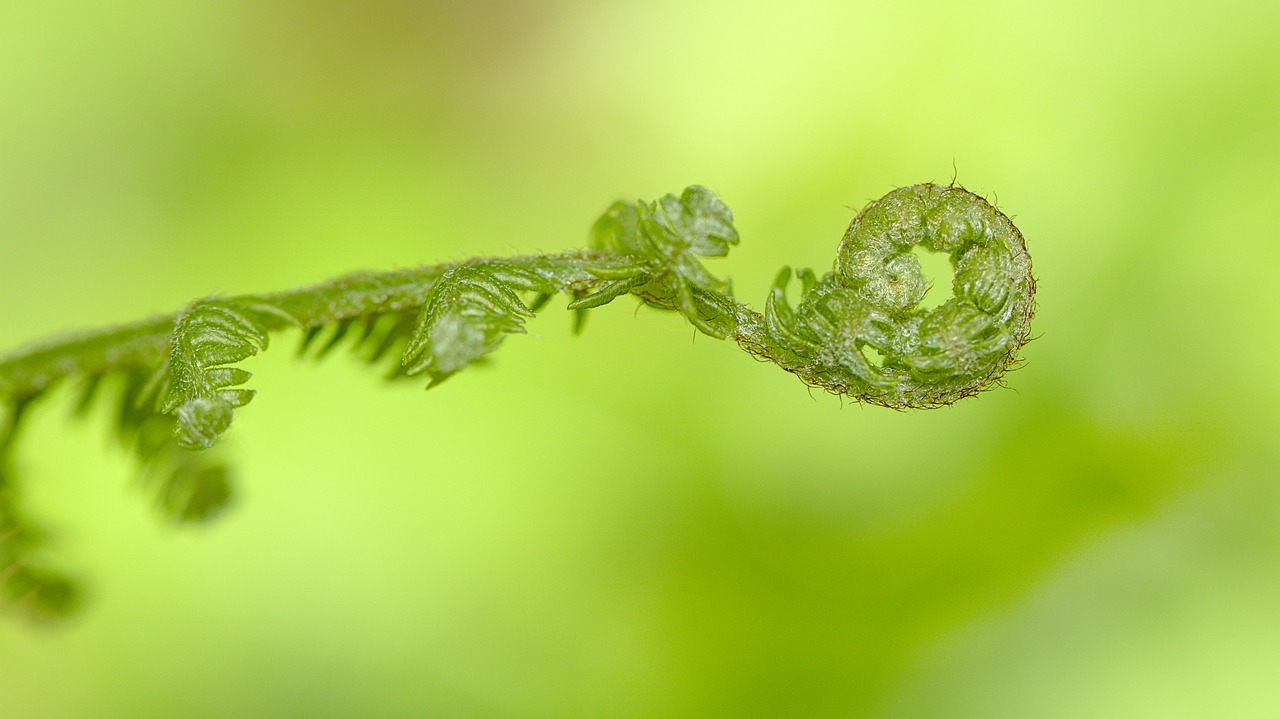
pixel 858 331
pixel 871 300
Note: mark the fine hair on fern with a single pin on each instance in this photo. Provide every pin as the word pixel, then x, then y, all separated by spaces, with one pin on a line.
pixel 858 330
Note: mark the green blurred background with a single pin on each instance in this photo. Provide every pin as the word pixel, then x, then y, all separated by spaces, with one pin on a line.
pixel 638 522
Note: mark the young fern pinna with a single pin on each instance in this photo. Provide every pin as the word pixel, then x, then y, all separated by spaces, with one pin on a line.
pixel 857 331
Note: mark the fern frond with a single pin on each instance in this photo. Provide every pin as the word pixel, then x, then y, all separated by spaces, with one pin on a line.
pixel 208 338
pixel 467 315
pixel 857 331
pixel 674 232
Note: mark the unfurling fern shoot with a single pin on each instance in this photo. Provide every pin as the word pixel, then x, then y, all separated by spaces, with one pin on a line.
pixel 858 331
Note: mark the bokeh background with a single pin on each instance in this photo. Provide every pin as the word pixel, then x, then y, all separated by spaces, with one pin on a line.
pixel 639 522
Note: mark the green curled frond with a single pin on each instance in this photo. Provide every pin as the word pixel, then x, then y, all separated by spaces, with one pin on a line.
pixel 859 331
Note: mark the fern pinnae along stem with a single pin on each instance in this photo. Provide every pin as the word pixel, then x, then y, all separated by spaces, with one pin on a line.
pixel 33 370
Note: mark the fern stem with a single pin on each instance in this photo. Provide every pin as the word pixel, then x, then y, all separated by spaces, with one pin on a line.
pixel 31 371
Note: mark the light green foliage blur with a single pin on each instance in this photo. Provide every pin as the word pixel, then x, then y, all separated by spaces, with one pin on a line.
pixel 638 522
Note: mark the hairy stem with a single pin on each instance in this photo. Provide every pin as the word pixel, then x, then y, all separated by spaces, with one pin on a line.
pixel 356 296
